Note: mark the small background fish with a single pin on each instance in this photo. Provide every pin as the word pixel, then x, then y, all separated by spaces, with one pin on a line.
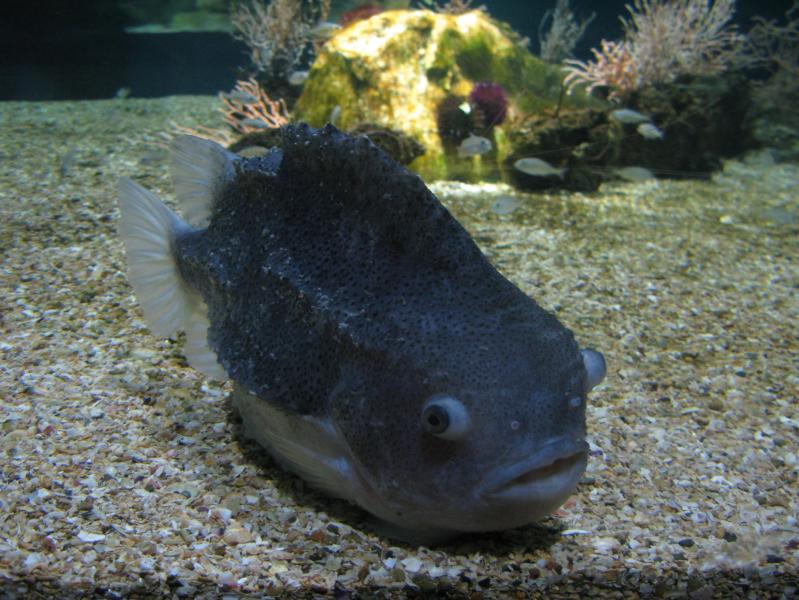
pixel 535 167
pixel 474 145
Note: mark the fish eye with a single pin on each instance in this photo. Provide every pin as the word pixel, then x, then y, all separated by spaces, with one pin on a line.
pixel 445 417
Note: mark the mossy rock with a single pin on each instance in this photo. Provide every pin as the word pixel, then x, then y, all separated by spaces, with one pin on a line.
pixel 396 68
pixel 701 119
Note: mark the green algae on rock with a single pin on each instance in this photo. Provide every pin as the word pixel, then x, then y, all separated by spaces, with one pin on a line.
pixel 396 68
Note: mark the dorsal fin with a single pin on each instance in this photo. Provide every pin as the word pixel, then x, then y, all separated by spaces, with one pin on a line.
pixel 199 167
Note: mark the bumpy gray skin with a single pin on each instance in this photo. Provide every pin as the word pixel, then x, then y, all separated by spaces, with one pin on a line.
pixel 339 287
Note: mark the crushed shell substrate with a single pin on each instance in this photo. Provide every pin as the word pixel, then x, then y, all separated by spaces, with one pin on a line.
pixel 123 473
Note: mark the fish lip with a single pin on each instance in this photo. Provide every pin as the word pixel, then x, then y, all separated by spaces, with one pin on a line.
pixel 568 452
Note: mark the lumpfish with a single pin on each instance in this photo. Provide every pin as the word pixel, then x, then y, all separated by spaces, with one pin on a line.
pixel 373 348
pixel 538 168
pixel 474 145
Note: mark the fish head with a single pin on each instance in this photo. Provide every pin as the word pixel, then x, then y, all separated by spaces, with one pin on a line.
pixel 490 437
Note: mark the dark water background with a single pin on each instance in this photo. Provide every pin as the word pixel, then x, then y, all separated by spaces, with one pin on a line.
pixel 60 49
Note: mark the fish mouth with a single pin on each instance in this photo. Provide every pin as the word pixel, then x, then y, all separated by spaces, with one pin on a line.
pixel 546 478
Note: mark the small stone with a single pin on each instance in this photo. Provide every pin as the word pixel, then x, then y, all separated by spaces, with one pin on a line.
pixel 606 545
pixel 144 354
pixel 412 564
pixel 146 565
pixel 237 535
pixel 774 558
pixel 286 515
pixel 220 514
pixel 729 536
pixel 33 560
pixel 705 592
pixel 85 536
pixel 318 536
pixel 686 542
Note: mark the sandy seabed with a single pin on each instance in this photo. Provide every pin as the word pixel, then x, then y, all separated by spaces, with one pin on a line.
pixel 123 473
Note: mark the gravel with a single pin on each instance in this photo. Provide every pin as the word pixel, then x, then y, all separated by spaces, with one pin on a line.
pixel 124 474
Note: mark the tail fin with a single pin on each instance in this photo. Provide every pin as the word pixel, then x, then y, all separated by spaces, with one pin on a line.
pixel 148 229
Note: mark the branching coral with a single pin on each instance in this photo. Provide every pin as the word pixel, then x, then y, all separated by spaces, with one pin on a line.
pixel 613 66
pixel 557 42
pixel 279 35
pixel 775 46
pixel 248 108
pixel 663 39
pixel 682 37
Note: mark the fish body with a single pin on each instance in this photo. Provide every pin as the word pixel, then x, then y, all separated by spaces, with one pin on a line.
pixel 504 205
pixel 474 145
pixel 649 131
pixel 374 350
pixel 325 30
pixel 298 78
pixel 536 167
pixel 627 116
pixel 634 173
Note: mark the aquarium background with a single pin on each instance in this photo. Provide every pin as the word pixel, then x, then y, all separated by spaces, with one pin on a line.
pixel 58 50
